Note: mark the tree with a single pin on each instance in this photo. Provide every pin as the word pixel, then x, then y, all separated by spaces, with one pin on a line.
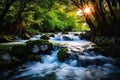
pixel 6 7
pixel 104 17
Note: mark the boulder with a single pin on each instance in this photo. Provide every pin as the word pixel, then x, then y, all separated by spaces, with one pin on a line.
pixel 5 58
pixel 62 54
pixel 33 57
pixel 52 35
pixel 18 50
pixel 25 36
pixel 45 37
pixel 39 46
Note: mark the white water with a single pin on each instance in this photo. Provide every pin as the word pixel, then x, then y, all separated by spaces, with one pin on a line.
pixel 79 66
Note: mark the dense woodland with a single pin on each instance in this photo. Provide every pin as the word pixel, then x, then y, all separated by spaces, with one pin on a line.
pixel 50 39
pixel 18 17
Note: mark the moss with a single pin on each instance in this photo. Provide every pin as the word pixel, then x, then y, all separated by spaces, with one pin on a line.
pixel 6 38
pixel 39 43
pixel 33 57
pixel 25 36
pixel 62 54
pixel 18 50
pixel 45 37
pixel 37 58
pixel 49 77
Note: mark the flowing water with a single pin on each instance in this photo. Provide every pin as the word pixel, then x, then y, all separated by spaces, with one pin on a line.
pixel 80 65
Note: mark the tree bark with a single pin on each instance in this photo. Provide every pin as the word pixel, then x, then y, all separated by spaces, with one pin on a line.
pixel 4 12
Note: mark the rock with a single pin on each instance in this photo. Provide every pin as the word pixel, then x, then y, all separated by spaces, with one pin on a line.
pixel 6 38
pixel 18 50
pixel 66 37
pixel 25 36
pixel 62 54
pixel 49 77
pixel 45 37
pixel 76 34
pixel 33 57
pixel 37 58
pixel 52 35
pixel 5 58
pixel 39 46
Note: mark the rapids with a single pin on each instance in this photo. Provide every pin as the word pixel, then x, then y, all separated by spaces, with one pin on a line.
pixel 80 65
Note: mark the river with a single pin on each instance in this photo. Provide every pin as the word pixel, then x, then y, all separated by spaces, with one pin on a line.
pixel 80 65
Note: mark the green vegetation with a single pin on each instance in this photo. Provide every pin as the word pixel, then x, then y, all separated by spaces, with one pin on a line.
pixel 102 16
pixel 6 38
pixel 31 17
pixel 26 18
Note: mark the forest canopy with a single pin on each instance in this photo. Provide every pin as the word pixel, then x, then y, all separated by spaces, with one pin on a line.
pixel 34 16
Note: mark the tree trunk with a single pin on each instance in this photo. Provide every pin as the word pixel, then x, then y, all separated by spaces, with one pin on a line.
pixel 4 12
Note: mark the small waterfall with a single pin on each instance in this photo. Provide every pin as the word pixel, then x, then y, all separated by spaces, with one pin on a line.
pixel 79 65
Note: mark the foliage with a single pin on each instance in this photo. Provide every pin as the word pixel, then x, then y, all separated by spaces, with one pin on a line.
pixel 34 16
pixel 104 16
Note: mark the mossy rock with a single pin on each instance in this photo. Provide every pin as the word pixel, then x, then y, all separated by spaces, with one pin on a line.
pixel 33 57
pixel 52 35
pixel 6 38
pixel 25 36
pixel 37 58
pixel 43 46
pixel 18 50
pixel 62 54
pixel 45 37
pixel 49 77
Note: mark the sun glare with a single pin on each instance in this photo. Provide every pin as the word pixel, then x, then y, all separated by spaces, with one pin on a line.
pixel 87 10
pixel 84 11
pixel 79 12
